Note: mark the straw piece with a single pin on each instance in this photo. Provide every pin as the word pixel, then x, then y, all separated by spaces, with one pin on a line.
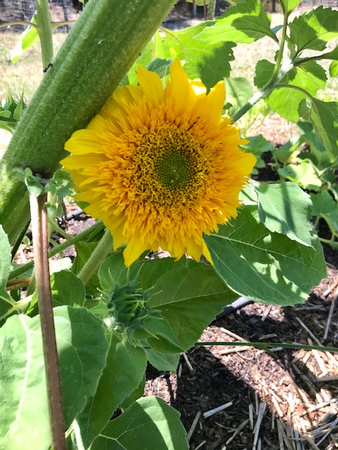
pixel 188 363
pixel 213 411
pixel 261 411
pixel 237 431
pixel 193 426
pixel 230 333
pixel 329 319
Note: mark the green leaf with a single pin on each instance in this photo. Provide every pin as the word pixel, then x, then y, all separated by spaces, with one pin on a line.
pixel 262 265
pixel 160 66
pixel 207 55
pixel 324 206
pixel 28 39
pixel 147 424
pixel 244 23
pixel 163 362
pixel 324 117
pixel 113 272
pixel 82 349
pixel 238 92
pixel 188 294
pixel 258 145
pixel 5 262
pixel 313 29
pixel 309 76
pixel 303 174
pixel 159 335
pixel 334 69
pixel 83 253
pixel 285 208
pixel 123 373
pixel 289 5
pixel 263 72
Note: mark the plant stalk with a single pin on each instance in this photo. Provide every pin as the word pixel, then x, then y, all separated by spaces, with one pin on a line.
pixel 40 239
pixel 104 247
pixel 211 10
pixel 45 31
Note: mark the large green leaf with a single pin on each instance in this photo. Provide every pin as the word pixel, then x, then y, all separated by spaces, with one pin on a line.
pixel 114 273
pixel 82 349
pixel 262 265
pixel 286 209
pixel 324 117
pixel 245 22
pixel 313 29
pixel 147 424
pixel 188 294
pixel 289 5
pixel 123 373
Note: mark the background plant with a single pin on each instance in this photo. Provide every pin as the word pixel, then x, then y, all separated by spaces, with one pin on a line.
pixel 111 320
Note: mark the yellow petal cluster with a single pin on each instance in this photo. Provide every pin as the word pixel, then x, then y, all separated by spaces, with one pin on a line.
pixel 159 166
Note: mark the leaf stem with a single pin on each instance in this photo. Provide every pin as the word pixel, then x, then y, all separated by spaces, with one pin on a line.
pixel 40 239
pixel 45 31
pixel 94 229
pixel 211 10
pixel 104 247
pixel 266 345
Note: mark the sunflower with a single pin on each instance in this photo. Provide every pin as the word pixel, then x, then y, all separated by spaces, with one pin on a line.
pixel 159 166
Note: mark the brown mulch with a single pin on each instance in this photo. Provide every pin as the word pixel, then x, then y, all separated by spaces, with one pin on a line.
pixel 282 399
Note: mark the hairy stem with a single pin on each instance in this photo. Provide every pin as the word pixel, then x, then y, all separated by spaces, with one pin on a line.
pixel 40 238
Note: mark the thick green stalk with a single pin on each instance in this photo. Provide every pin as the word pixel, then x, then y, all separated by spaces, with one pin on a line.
pixel 102 46
pixel 104 247
pixel 45 31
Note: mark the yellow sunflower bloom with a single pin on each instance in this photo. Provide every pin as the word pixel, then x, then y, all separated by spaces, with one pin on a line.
pixel 159 166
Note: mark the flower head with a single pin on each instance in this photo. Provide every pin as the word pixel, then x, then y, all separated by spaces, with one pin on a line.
pixel 159 166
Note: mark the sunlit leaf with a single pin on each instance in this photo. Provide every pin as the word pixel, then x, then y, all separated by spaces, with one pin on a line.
pixel 28 39
pixel 289 5
pixel 313 29
pixel 265 266
pixel 303 174
pixel 147 424
pixel 5 262
pixel 285 208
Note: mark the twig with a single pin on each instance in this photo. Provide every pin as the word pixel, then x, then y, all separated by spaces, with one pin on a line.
pixel 213 411
pixel 188 363
pixel 40 238
pixel 193 426
pixel 329 319
pixel 331 288
pixel 261 411
pixel 238 430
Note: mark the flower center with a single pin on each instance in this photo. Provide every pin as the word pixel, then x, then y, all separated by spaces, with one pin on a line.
pixel 173 169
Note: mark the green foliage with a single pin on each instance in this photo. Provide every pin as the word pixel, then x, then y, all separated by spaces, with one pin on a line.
pixel 146 417
pixel 277 270
pixel 109 327
pixel 82 348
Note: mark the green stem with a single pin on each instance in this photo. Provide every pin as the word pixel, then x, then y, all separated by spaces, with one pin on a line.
pixel 18 22
pixel 45 31
pixel 276 76
pixel 211 10
pixel 93 230
pixel 40 238
pixel 104 247
pixel 266 345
